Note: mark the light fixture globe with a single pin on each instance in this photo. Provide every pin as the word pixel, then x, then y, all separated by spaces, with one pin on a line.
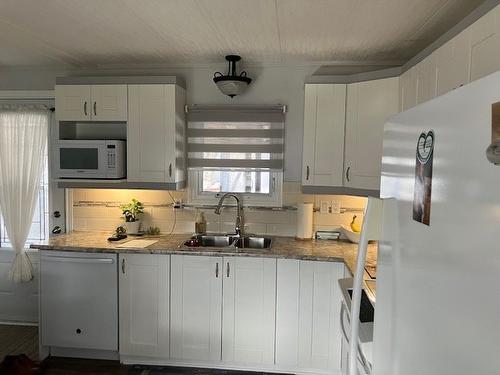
pixel 232 84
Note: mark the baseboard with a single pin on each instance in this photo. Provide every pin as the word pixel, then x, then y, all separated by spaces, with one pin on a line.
pixel 18 323
pixel 56 351
pixel 137 360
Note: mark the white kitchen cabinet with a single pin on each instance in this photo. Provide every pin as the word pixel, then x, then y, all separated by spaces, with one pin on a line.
pixel 156 133
pixel 453 63
pixel 78 300
pixel 91 102
pixel 249 307
pixel 196 308
pixel 485 44
pixel 369 105
pixel 408 89
pixel 308 335
pixel 144 305
pixel 73 102
pixel 109 103
pixel 323 142
pixel 426 79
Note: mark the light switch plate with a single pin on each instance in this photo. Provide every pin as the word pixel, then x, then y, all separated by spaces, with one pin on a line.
pixel 335 207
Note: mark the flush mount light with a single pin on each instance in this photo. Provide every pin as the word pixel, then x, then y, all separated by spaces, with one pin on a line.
pixel 232 84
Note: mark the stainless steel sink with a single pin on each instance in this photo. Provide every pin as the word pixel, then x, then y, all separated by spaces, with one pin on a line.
pixel 230 242
pixel 251 242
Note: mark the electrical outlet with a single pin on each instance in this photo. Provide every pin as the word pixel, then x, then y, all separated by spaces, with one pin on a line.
pixel 335 207
pixel 323 208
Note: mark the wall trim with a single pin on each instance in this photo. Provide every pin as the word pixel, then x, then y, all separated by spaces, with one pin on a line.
pixel 353 78
pixel 340 190
pixel 27 94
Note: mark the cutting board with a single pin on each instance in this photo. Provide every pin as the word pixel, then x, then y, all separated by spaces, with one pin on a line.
pixel 135 244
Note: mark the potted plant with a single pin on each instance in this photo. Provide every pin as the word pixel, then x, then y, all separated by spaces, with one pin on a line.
pixel 131 212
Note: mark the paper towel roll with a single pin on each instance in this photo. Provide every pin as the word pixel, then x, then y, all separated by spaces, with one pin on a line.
pixel 304 221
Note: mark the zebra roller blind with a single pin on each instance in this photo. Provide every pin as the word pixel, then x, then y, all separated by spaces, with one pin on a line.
pixel 236 137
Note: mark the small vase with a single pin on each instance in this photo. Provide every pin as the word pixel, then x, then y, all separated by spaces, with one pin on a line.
pixel 132 227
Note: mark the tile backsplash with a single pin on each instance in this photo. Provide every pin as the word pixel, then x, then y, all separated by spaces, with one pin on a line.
pixel 95 209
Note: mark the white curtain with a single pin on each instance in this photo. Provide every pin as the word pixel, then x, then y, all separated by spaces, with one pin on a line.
pixel 23 139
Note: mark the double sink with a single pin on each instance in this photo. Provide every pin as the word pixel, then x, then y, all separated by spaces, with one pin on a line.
pixel 229 242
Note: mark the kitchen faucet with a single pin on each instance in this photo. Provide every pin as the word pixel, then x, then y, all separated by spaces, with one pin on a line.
pixel 239 226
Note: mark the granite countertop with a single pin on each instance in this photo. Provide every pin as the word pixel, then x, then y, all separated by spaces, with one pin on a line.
pixel 282 247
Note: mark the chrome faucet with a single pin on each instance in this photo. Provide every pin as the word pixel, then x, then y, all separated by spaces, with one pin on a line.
pixel 239 226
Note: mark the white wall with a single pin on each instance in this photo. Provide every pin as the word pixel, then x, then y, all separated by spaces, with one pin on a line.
pixel 270 85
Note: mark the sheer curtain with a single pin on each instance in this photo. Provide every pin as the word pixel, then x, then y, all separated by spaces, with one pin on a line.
pixel 23 140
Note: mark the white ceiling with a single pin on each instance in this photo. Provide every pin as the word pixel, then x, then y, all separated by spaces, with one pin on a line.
pixel 88 33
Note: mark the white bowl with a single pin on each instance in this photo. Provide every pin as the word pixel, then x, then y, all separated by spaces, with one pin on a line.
pixel 351 236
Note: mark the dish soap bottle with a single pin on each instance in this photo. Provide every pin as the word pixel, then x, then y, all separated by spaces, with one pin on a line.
pixel 200 224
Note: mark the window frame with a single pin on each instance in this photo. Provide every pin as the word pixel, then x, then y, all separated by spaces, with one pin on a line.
pixel 273 199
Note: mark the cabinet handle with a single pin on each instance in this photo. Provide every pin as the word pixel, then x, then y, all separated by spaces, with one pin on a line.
pixel 95 108
pixel 217 269
pixel 227 269
pixel 170 169
pixel 307 173
pixel 123 265
pixel 85 108
pixel 347 174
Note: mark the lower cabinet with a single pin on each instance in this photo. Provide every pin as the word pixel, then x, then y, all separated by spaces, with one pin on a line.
pixel 249 306
pixel 308 335
pixel 237 312
pixel 196 313
pixel 223 309
pixel 144 288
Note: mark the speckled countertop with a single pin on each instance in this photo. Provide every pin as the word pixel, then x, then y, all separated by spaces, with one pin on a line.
pixel 282 247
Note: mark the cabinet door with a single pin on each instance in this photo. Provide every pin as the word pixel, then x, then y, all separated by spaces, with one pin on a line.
pixel 453 63
pixel 369 104
pixel 324 123
pixel 484 45
pixel 73 102
pixel 426 79
pixel 308 335
pixel 109 103
pixel 151 133
pixel 408 90
pixel 248 328
pixel 196 308
pixel 144 305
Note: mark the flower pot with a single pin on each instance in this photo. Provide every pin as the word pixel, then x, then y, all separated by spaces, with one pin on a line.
pixel 132 227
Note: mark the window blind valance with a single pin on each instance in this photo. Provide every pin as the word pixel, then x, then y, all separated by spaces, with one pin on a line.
pixel 236 137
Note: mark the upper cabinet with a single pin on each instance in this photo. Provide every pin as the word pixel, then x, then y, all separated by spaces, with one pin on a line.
pixel 156 133
pixel 323 147
pixel 426 79
pixel 343 132
pixel 91 102
pixel 369 105
pixel 408 89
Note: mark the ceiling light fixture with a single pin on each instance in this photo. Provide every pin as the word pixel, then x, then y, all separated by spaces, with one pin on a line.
pixel 232 84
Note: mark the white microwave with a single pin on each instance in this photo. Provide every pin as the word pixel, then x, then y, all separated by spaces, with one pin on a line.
pixel 90 159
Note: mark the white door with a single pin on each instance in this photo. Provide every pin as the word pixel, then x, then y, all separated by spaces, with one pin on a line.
pixel 144 305
pixel 369 104
pixel 151 133
pixel 426 79
pixel 109 103
pixel 73 102
pixel 248 329
pixel 196 304
pixel 323 142
pixel 308 335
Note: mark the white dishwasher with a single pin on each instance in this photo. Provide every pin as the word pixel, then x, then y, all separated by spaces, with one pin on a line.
pixel 79 300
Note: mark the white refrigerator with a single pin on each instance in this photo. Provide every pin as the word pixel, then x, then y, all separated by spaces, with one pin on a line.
pixel 438 271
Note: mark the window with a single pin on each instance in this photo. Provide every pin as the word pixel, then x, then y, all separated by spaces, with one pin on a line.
pixel 40 226
pixel 238 150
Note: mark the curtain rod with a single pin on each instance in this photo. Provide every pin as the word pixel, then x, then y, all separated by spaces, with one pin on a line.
pixel 232 107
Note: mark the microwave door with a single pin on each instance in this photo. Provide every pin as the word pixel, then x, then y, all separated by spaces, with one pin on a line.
pixel 81 161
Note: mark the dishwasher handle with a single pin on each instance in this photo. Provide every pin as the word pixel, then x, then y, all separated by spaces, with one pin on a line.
pixel 63 259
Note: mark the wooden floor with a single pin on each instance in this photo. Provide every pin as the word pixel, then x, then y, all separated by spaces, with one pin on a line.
pixel 24 340
pixel 18 340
